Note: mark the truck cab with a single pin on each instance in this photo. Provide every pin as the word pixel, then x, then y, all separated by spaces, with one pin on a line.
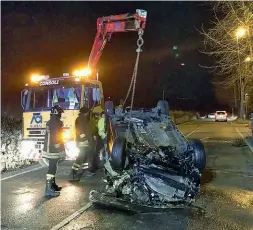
pixel 71 93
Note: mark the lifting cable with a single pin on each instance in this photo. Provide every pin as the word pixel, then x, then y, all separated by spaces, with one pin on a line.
pixel 132 86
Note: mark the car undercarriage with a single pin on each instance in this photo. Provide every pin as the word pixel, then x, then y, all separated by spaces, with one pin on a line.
pixel 152 164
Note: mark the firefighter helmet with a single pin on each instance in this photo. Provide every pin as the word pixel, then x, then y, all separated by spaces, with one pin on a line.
pixel 56 110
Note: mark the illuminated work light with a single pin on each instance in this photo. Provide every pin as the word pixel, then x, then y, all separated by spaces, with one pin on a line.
pixel 36 77
pixel 82 72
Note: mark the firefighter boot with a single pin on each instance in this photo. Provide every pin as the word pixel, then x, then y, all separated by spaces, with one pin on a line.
pixel 49 191
pixel 73 176
pixel 55 186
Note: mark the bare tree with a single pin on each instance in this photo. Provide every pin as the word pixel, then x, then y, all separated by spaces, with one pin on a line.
pixel 230 42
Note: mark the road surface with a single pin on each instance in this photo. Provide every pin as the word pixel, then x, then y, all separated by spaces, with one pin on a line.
pixel 226 194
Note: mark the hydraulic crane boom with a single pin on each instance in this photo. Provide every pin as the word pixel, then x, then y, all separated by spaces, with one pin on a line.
pixel 106 26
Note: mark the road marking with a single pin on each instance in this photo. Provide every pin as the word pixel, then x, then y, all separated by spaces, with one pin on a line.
pixel 245 140
pixel 73 216
pixel 215 141
pixel 21 173
pixel 192 132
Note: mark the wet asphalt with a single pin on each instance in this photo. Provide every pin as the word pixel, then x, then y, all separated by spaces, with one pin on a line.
pixel 226 193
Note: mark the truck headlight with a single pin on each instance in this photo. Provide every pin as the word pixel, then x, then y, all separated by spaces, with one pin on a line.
pixel 71 150
pixel 66 134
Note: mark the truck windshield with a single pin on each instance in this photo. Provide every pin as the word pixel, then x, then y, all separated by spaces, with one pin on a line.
pixel 44 98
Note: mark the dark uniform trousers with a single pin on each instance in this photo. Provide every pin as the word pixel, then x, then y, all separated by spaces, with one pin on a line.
pixel 84 158
pixel 52 168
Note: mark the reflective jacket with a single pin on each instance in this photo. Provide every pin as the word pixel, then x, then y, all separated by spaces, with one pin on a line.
pixel 101 128
pixel 53 142
pixel 83 131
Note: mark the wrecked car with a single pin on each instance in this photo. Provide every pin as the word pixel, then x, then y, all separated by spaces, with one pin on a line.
pixel 151 163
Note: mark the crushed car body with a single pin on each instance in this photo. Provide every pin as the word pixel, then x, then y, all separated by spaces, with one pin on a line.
pixel 151 163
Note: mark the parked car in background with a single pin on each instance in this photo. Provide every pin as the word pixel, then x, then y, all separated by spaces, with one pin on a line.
pixel 221 116
pixel 211 116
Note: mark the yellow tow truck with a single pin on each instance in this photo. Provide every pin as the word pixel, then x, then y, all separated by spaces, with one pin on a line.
pixel 71 93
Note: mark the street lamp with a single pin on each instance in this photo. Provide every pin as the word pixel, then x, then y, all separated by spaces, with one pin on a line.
pixel 240 32
pixel 248 59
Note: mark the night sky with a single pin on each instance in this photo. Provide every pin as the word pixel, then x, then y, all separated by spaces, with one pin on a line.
pixel 56 37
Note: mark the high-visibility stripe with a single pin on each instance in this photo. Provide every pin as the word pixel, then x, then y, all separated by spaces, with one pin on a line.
pixel 83 144
pixel 50 176
pixel 53 155
pixel 57 146
pixel 85 165
pixel 75 168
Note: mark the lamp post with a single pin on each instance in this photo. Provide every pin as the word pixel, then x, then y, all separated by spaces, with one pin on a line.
pixel 246 103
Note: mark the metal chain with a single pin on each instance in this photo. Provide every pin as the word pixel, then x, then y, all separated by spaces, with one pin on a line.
pixel 140 43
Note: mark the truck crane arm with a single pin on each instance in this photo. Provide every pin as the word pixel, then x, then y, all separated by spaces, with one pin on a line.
pixel 106 26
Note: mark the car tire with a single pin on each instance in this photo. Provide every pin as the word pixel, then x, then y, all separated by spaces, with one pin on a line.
pixel 163 106
pixel 118 154
pixel 198 154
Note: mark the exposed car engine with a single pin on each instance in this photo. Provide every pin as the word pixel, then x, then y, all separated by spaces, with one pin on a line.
pixel 151 164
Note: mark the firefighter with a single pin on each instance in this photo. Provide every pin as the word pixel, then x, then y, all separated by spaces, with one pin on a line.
pixel 102 134
pixel 85 143
pixel 94 154
pixel 53 149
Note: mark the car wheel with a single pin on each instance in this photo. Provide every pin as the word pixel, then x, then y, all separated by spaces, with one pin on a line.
pixel 198 154
pixel 163 106
pixel 118 154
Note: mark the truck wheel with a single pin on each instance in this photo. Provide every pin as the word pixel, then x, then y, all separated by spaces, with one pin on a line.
pixel 118 154
pixel 198 154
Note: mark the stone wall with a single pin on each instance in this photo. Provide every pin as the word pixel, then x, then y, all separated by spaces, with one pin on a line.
pixel 10 144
